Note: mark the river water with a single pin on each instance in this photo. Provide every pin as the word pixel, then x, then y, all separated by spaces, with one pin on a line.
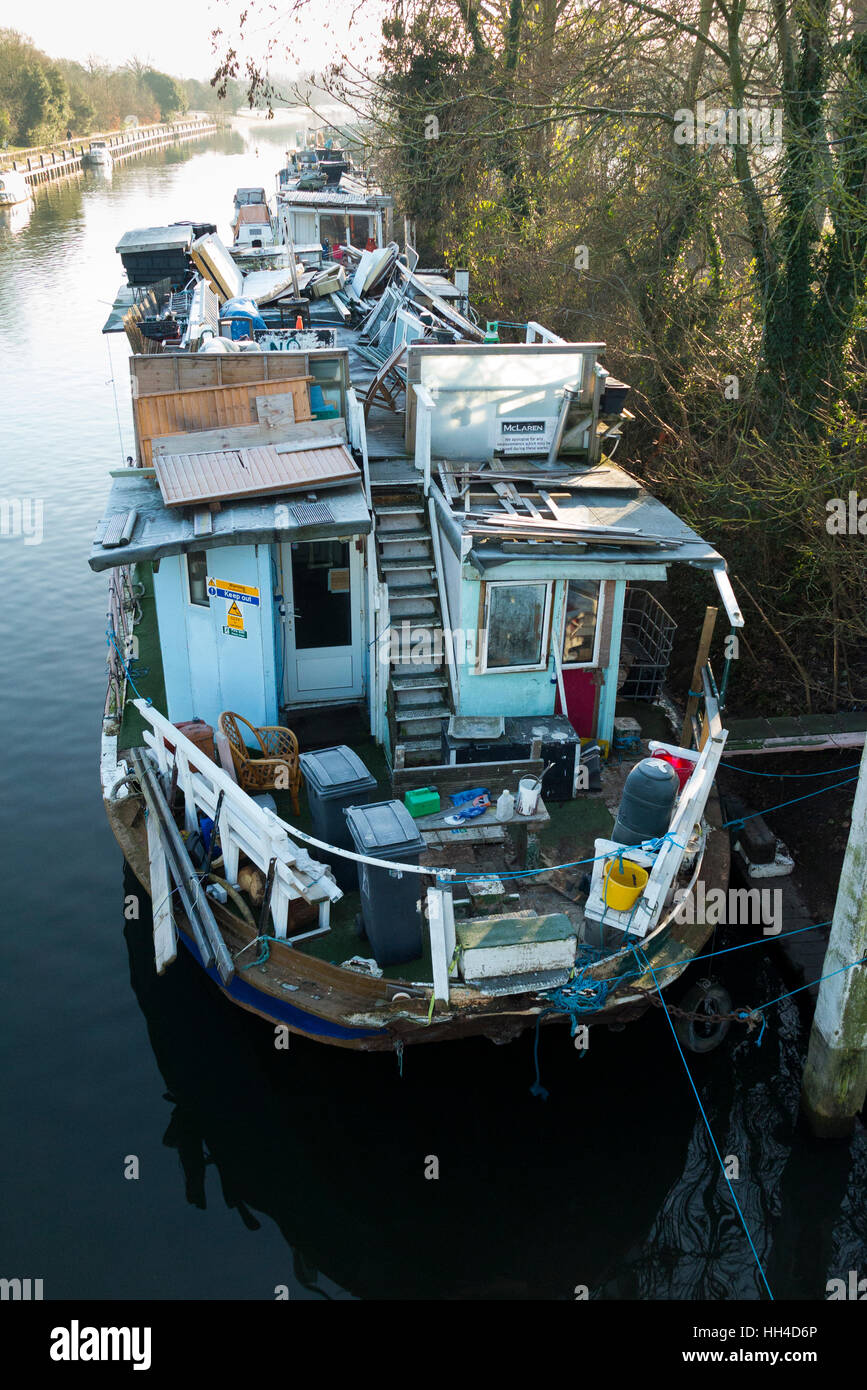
pixel 306 1170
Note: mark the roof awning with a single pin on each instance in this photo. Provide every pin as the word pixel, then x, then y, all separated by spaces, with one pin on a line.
pixel 156 531
pixel 190 479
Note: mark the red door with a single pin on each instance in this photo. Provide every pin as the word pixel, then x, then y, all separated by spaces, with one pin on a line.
pixel 581 691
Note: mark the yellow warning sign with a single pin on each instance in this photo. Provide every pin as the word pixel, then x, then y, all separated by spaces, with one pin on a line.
pixel 235 618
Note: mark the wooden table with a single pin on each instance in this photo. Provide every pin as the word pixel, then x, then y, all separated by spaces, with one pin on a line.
pixel 484 829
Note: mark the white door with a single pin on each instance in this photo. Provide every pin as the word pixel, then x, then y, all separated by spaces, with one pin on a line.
pixel 323 650
pixel 303 227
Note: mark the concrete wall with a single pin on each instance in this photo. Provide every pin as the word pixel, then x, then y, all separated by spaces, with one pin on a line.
pixel 207 670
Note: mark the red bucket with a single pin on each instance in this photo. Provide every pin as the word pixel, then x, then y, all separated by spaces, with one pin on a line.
pixel 684 767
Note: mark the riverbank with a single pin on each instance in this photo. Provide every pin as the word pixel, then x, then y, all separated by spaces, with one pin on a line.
pixel 67 159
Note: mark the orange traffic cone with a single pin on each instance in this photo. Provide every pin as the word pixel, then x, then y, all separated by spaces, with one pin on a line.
pixel 299 322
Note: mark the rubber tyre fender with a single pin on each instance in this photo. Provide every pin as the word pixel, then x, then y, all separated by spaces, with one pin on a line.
pixel 696 1037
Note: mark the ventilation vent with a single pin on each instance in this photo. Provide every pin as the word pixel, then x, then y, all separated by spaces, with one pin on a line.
pixel 311 513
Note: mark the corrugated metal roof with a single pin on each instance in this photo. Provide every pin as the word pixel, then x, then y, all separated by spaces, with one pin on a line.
pixel 188 479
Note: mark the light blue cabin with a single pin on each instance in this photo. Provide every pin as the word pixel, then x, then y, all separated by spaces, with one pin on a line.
pixel 478 554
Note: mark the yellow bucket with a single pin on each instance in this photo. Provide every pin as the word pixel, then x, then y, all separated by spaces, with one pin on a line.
pixel 624 883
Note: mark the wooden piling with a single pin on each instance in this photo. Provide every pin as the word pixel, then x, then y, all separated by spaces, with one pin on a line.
pixel 700 662
pixel 835 1076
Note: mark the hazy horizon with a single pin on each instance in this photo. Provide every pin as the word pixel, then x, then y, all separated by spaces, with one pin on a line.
pixel 178 37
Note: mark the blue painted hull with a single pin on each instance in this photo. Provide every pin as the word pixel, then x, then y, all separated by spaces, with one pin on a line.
pixel 240 991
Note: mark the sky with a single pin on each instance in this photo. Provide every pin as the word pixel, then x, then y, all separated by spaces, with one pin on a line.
pixel 172 35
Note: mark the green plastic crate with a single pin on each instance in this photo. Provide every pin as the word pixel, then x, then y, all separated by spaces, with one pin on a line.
pixel 422 801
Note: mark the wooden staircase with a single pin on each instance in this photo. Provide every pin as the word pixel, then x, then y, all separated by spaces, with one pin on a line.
pixel 419 695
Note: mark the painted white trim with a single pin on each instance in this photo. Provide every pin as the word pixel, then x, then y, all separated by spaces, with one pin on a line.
pixel 727 594
pixel 542 664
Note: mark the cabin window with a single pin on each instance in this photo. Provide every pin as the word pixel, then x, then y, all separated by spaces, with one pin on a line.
pixel 581 625
pixel 362 231
pixel 197 578
pixel 515 636
pixel 332 228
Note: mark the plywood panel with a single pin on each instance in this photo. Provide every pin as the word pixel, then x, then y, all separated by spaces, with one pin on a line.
pixel 220 407
pixel 192 371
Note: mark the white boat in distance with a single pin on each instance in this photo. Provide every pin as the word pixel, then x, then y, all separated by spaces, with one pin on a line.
pixel 14 188
pixel 98 156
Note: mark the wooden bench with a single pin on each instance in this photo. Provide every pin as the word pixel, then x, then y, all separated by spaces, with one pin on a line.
pixel 458 777
pixel 449 778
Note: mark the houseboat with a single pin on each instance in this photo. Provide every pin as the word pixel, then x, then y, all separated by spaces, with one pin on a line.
pixel 253 227
pixel 377 594
pixel 14 189
pixel 351 213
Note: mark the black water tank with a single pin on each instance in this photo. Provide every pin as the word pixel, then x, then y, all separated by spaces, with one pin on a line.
pixel 647 803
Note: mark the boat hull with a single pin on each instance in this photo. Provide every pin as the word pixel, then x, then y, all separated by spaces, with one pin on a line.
pixel 345 1008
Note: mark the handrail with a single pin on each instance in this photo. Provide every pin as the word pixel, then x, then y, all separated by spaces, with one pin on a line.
pixel 689 810
pixel 266 839
pixel 424 412
pixel 221 780
pixel 444 602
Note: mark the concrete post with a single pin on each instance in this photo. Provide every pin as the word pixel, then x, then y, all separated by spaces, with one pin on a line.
pixel 835 1076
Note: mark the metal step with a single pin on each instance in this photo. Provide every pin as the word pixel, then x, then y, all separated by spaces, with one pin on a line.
pixel 417 564
pixel 414 619
pixel 416 668
pixel 392 509
pixel 401 684
pixel 416 591
pixel 418 750
pixel 417 713
pixel 384 536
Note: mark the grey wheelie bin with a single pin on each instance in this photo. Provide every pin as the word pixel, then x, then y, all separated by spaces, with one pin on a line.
pixel 389 898
pixel 336 778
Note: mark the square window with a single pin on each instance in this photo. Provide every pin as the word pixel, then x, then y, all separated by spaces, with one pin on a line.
pixel 516 626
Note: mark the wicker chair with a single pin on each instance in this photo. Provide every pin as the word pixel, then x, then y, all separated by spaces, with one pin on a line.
pixel 277 768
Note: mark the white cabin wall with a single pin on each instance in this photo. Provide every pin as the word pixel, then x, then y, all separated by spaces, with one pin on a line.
pixel 207 670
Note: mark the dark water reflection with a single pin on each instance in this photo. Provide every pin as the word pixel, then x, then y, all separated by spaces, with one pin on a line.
pixel 305 1169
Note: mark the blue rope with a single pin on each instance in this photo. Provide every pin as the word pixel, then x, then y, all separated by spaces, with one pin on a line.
pixel 565 1001
pixel 639 953
pixel 650 846
pixel 780 804
pixel 831 973
pixel 110 642
pixel 754 772
pixel 576 998
pixel 759 941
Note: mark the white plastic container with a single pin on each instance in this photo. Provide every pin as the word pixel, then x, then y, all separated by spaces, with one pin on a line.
pixel 505 805
pixel 528 795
